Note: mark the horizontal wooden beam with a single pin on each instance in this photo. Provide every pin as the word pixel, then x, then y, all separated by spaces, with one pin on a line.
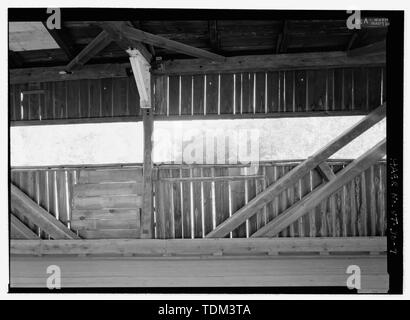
pixel 20 123
pixel 223 178
pixel 95 71
pixel 184 247
pixel 289 179
pixel 288 61
pixel 270 115
pixel 377 48
pixel 19 230
pixel 191 117
pixel 95 46
pixel 36 214
pixel 311 200
pixel 158 41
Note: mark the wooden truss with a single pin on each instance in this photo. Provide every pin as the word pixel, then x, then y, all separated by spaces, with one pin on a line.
pixel 317 160
pixel 27 208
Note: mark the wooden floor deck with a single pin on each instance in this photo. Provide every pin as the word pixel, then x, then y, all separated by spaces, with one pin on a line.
pixel 201 263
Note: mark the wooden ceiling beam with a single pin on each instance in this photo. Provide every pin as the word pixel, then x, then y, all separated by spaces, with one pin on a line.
pixel 377 48
pixel 96 71
pixel 149 47
pixel 134 34
pixel 63 41
pixel 15 59
pixel 95 46
pixel 114 29
pixel 255 63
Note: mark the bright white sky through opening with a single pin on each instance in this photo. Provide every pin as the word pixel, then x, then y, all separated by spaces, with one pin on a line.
pixel 111 143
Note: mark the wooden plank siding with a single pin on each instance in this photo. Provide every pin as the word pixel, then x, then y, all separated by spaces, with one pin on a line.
pixel 313 92
pixel 281 93
pixel 106 203
pixel 75 99
pixel 202 208
pixel 189 201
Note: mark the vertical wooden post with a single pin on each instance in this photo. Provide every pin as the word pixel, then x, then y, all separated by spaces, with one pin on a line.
pixel 140 68
pixel 147 218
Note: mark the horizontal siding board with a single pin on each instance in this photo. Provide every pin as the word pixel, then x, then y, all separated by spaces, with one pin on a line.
pixel 110 233
pixel 106 202
pixel 105 189
pixel 113 213
pixel 117 175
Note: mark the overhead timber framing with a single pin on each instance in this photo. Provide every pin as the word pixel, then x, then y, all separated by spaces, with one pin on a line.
pixel 131 33
pixel 285 61
pixel 114 30
pixel 95 46
pixel 199 66
pixel 93 71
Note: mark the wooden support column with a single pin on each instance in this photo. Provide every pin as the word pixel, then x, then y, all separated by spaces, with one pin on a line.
pixel 140 67
pixel 147 218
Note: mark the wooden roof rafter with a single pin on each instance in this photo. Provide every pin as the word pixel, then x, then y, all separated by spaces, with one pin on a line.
pixel 95 46
pixel 132 34
pixel 113 28
pixel 63 40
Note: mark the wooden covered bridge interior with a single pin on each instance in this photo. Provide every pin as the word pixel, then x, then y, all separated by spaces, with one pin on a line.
pixel 291 223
